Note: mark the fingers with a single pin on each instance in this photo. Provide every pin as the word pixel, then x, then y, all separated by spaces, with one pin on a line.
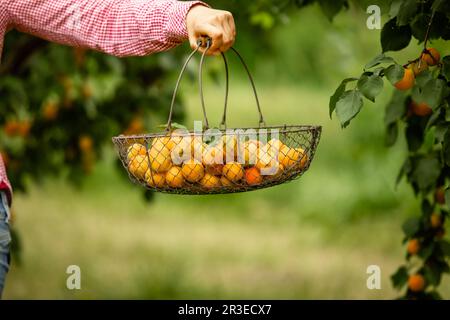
pixel 228 35
pixel 214 33
pixel 192 39
pixel 215 24
pixel 217 41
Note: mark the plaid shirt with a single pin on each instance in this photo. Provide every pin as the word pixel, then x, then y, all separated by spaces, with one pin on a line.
pixel 117 27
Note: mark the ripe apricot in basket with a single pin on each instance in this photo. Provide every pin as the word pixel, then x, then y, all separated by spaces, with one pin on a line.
pixel 215 169
pixel 193 170
pixel 279 171
pixel 250 151
pixel 304 157
pixel 161 143
pixel 233 171
pixel 174 141
pixel 181 150
pixel 266 162
pixel 265 156
pixel 160 158
pixel 210 181
pixel 138 166
pixel 252 176
pixel 275 144
pixel 213 155
pixel 197 148
pixel 174 177
pixel 155 179
pixel 213 160
pixel 186 148
pixel 225 182
pixel 289 157
pixel 136 149
pixel 230 147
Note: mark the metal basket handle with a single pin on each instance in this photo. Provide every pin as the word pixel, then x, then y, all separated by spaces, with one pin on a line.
pixel 223 122
pixel 262 123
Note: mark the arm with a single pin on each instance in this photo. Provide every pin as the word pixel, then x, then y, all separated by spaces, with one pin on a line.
pixel 116 27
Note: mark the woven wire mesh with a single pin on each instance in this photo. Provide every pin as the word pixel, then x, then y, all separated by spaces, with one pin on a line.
pixel 220 161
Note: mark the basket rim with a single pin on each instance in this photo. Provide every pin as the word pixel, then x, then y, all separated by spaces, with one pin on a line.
pixel 284 128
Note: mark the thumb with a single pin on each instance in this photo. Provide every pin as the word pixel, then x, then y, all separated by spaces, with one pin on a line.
pixel 193 40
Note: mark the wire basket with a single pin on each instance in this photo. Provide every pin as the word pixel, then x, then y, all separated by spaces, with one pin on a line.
pixel 217 160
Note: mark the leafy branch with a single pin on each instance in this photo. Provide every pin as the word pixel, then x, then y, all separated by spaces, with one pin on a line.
pixel 421 105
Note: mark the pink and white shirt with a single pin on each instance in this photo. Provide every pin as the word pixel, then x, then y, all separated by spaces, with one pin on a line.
pixel 116 27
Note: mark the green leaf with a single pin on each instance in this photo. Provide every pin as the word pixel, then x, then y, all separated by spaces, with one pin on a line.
pixel 394 73
pixel 400 277
pixel 406 13
pixel 440 128
pixel 391 134
pixel 426 252
pixel 405 169
pixel 429 139
pixel 381 58
pixel 414 136
pixel 411 226
pixel 432 274
pixel 331 7
pixel 446 148
pixel 447 196
pixel 338 93
pixel 446 67
pixel 426 172
pixel 445 33
pixel 419 26
pixel 394 37
pixel 445 247
pixel 431 93
pixel 447 111
pixel 423 78
pixel 370 86
pixel 396 108
pixel 434 295
pixel 434 92
pixel 441 6
pixel 427 209
pixel 348 106
pixel 444 266
pixel 379 71
pixel 395 8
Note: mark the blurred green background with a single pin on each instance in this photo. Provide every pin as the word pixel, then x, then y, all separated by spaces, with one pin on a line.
pixel 311 238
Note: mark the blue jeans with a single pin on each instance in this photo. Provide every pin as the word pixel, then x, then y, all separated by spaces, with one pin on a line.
pixel 5 239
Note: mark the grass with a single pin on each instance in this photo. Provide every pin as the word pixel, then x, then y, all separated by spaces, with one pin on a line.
pixel 170 250
pixel 312 238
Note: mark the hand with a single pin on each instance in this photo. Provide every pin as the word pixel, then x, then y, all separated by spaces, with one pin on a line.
pixel 218 25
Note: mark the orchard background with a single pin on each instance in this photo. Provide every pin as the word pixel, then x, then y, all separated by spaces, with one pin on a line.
pixel 312 238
